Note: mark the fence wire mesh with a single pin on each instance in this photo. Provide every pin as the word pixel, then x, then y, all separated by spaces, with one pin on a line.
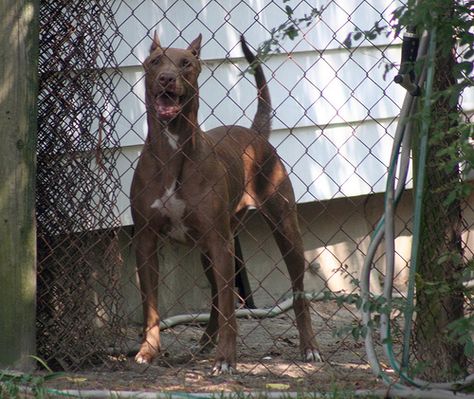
pixel 334 114
pixel 77 184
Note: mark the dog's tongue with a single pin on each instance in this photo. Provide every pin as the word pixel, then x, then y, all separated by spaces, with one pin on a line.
pixel 166 107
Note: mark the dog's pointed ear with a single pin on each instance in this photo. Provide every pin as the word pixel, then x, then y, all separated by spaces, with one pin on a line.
pixel 155 43
pixel 195 46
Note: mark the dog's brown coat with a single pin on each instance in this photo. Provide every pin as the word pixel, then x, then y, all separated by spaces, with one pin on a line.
pixel 195 187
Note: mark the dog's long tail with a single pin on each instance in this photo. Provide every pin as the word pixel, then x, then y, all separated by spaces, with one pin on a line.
pixel 262 121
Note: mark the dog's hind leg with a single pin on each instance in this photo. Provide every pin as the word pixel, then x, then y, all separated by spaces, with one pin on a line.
pixel 281 216
pixel 209 338
pixel 241 277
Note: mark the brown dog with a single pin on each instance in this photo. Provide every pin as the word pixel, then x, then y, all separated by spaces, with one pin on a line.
pixel 195 187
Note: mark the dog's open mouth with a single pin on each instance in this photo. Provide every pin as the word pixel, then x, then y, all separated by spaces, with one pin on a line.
pixel 167 105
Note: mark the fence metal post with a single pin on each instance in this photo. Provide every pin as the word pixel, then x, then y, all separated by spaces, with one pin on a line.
pixel 18 125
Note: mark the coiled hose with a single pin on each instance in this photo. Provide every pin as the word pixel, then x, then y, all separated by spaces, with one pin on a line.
pixel 400 156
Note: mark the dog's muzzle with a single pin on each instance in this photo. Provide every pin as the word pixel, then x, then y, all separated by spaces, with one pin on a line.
pixel 167 105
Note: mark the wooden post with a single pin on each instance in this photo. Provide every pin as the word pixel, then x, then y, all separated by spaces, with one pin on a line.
pixel 18 97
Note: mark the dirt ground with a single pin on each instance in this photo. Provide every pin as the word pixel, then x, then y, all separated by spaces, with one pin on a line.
pixel 268 359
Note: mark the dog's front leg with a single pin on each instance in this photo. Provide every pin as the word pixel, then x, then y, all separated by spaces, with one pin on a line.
pixel 148 274
pixel 221 254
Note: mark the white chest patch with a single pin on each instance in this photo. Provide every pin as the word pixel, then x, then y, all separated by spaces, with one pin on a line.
pixel 172 139
pixel 171 206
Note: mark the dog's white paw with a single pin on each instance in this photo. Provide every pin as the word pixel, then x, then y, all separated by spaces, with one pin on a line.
pixel 312 356
pixel 222 367
pixel 145 356
pixel 140 359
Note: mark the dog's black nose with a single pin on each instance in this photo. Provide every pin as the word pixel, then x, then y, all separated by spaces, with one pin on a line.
pixel 167 79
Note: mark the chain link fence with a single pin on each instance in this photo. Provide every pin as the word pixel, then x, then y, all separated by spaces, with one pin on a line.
pixel 79 297
pixel 335 113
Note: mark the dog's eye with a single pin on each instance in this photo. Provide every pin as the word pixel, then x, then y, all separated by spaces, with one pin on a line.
pixel 156 60
pixel 185 63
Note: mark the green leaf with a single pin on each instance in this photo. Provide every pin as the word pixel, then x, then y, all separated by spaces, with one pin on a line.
pixel 371 35
pixel 348 41
pixel 469 348
pixel 463 68
pixel 468 54
pixel 291 32
pixel 356 332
